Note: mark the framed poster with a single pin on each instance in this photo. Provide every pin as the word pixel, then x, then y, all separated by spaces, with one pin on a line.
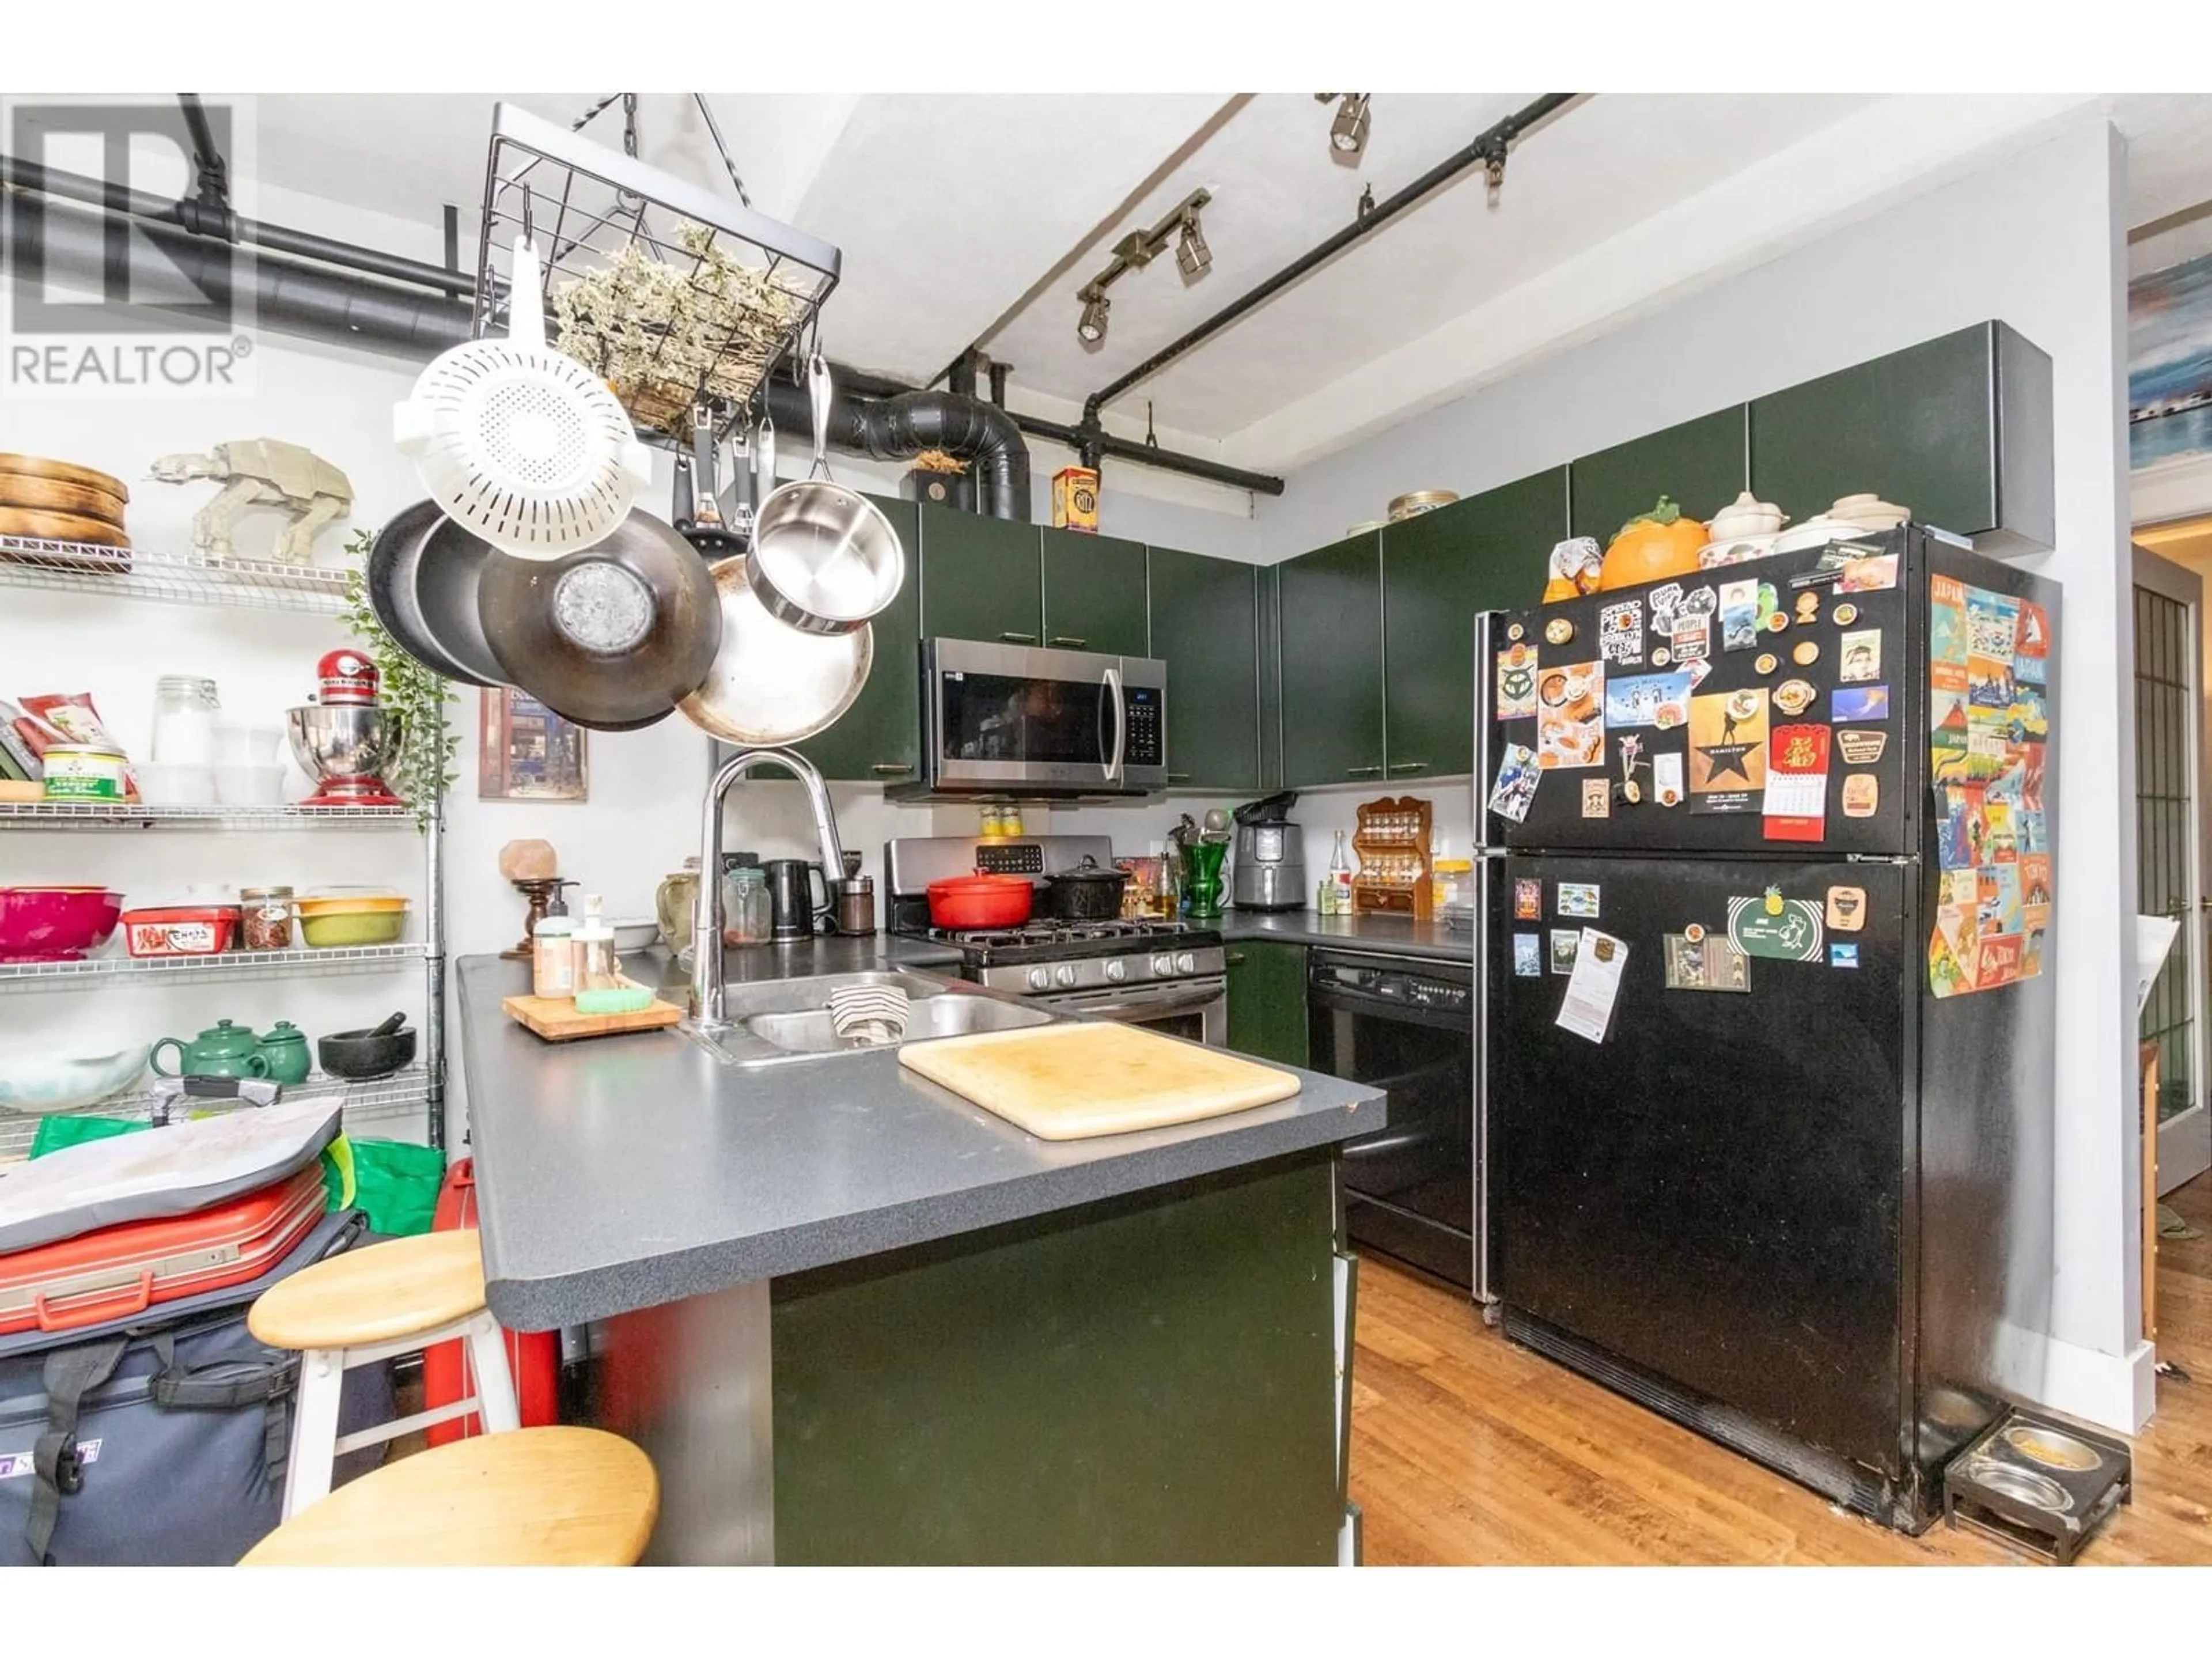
pixel 527 752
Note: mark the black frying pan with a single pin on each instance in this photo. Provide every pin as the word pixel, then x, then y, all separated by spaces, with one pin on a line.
pixel 395 578
pixel 611 637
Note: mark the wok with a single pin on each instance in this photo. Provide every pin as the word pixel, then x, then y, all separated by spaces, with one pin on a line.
pixel 429 605
pixel 613 637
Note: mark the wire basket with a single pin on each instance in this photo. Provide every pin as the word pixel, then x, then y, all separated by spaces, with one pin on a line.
pixel 673 295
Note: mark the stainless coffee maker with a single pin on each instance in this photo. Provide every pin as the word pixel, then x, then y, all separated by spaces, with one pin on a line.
pixel 1269 872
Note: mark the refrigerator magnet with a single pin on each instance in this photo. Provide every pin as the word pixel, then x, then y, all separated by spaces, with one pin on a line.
pixel 1667 779
pixel 1861 747
pixel 1700 964
pixel 1565 942
pixel 1793 697
pixel 1809 607
pixel 1621 631
pixel 1846 910
pixel 1860 656
pixel 1845 614
pixel 1597 798
pixel 1517 778
pixel 1786 930
pixel 1558 631
pixel 1843 955
pixel 1862 795
pixel 1578 899
pixel 1528 899
pixel 1776 621
pixel 1795 802
pixel 1766 662
pixel 1517 683
pixel 1527 956
pixel 1859 702
pixel 1805 653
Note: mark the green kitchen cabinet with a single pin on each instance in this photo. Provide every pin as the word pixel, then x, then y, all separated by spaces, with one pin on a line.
pixel 1094 594
pixel 981 578
pixel 1957 429
pixel 1699 464
pixel 1267 1000
pixel 1271 677
pixel 878 739
pixel 1485 553
pixel 1205 626
pixel 1332 664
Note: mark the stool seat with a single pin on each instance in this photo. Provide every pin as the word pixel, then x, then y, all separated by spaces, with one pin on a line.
pixel 534 1497
pixel 398 1289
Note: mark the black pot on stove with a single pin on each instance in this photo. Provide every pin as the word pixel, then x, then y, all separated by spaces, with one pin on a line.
pixel 1088 892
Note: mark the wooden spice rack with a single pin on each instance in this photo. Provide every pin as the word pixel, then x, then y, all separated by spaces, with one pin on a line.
pixel 1392 841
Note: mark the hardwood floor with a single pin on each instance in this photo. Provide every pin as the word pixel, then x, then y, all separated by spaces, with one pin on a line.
pixel 1468 1451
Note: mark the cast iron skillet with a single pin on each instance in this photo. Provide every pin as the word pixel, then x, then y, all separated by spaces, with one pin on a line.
pixel 613 637
pixel 404 590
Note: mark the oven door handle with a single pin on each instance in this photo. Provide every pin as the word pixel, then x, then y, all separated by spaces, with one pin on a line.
pixel 1111 680
pixel 1125 1008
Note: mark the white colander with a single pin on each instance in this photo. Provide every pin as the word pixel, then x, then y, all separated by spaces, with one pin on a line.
pixel 520 445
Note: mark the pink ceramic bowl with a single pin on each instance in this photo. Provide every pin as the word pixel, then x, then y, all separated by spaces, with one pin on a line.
pixel 56 924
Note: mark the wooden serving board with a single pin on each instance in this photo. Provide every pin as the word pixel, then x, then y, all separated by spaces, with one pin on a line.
pixel 555 1018
pixel 59 495
pixel 40 466
pixel 1068 1082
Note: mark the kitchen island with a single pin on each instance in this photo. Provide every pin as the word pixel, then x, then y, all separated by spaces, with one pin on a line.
pixel 855 1318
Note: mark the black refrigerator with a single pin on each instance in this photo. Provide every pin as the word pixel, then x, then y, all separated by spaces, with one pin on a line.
pixel 1764 1102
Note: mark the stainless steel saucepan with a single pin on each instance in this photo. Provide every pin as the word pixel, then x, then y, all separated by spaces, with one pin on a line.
pixel 824 560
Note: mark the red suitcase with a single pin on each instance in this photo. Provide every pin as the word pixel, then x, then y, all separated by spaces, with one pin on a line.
pixel 116 1273
pixel 533 1358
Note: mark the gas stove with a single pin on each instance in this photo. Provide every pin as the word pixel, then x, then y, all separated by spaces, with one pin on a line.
pixel 1099 966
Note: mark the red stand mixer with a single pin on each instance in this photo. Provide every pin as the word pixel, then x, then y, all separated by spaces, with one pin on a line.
pixel 346 738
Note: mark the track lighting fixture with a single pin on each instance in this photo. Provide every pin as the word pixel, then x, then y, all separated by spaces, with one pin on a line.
pixel 1347 133
pixel 1090 327
pixel 1193 258
pixel 1138 249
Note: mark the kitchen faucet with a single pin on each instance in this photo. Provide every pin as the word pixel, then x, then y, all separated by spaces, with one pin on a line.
pixel 707 907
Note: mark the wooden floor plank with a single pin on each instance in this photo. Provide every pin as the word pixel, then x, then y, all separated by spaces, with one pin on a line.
pixel 1468 1451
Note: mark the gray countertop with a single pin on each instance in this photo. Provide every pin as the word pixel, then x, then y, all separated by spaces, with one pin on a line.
pixel 617 1173
pixel 1396 936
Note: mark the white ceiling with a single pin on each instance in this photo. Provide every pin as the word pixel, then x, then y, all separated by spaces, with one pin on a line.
pixel 967 218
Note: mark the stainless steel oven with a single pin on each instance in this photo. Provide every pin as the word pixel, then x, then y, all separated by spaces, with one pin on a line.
pixel 1012 718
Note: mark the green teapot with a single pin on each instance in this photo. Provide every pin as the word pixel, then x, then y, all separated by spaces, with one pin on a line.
pixel 223 1049
pixel 284 1045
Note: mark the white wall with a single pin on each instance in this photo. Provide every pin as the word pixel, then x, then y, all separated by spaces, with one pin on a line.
pixel 2034 240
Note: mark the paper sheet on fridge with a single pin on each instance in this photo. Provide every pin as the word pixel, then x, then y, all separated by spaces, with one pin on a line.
pixel 2153 938
pixel 1593 984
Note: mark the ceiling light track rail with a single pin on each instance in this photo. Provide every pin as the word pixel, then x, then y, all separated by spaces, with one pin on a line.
pixel 1488 149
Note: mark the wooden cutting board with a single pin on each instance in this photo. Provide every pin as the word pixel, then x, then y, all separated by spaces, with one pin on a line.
pixel 1068 1082
pixel 555 1018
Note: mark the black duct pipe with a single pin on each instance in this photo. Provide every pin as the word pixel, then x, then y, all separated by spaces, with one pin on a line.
pixel 1490 147
pixel 353 311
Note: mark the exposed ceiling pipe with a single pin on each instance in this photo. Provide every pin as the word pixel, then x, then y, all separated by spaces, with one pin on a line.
pixel 1489 148
pixel 353 311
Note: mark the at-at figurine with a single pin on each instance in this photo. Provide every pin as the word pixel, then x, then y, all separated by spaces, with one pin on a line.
pixel 262 472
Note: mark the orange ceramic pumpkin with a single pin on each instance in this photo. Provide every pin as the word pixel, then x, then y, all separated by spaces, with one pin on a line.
pixel 1652 547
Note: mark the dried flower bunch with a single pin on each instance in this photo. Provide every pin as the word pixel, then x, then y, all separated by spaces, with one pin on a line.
pixel 665 333
pixel 938 460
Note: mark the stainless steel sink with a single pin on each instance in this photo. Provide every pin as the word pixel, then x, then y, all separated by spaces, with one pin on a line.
pixel 788 1019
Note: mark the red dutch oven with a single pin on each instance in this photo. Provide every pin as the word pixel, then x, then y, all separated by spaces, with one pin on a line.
pixel 969 901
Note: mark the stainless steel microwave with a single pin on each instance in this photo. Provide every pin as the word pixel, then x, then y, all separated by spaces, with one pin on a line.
pixel 1021 720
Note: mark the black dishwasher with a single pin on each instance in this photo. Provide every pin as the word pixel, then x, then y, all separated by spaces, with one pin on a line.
pixel 1407 1027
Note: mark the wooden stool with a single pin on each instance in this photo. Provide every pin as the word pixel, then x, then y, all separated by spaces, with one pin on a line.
pixel 366 1306
pixel 537 1497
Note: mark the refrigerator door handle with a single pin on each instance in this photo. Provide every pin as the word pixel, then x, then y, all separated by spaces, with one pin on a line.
pixel 1487 883
pixel 1485 728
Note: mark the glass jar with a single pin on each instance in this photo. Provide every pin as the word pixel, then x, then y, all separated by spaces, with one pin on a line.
pixel 1452 882
pixel 266 918
pixel 747 914
pixel 185 708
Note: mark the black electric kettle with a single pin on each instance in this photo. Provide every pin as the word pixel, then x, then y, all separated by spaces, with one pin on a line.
pixel 792 908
